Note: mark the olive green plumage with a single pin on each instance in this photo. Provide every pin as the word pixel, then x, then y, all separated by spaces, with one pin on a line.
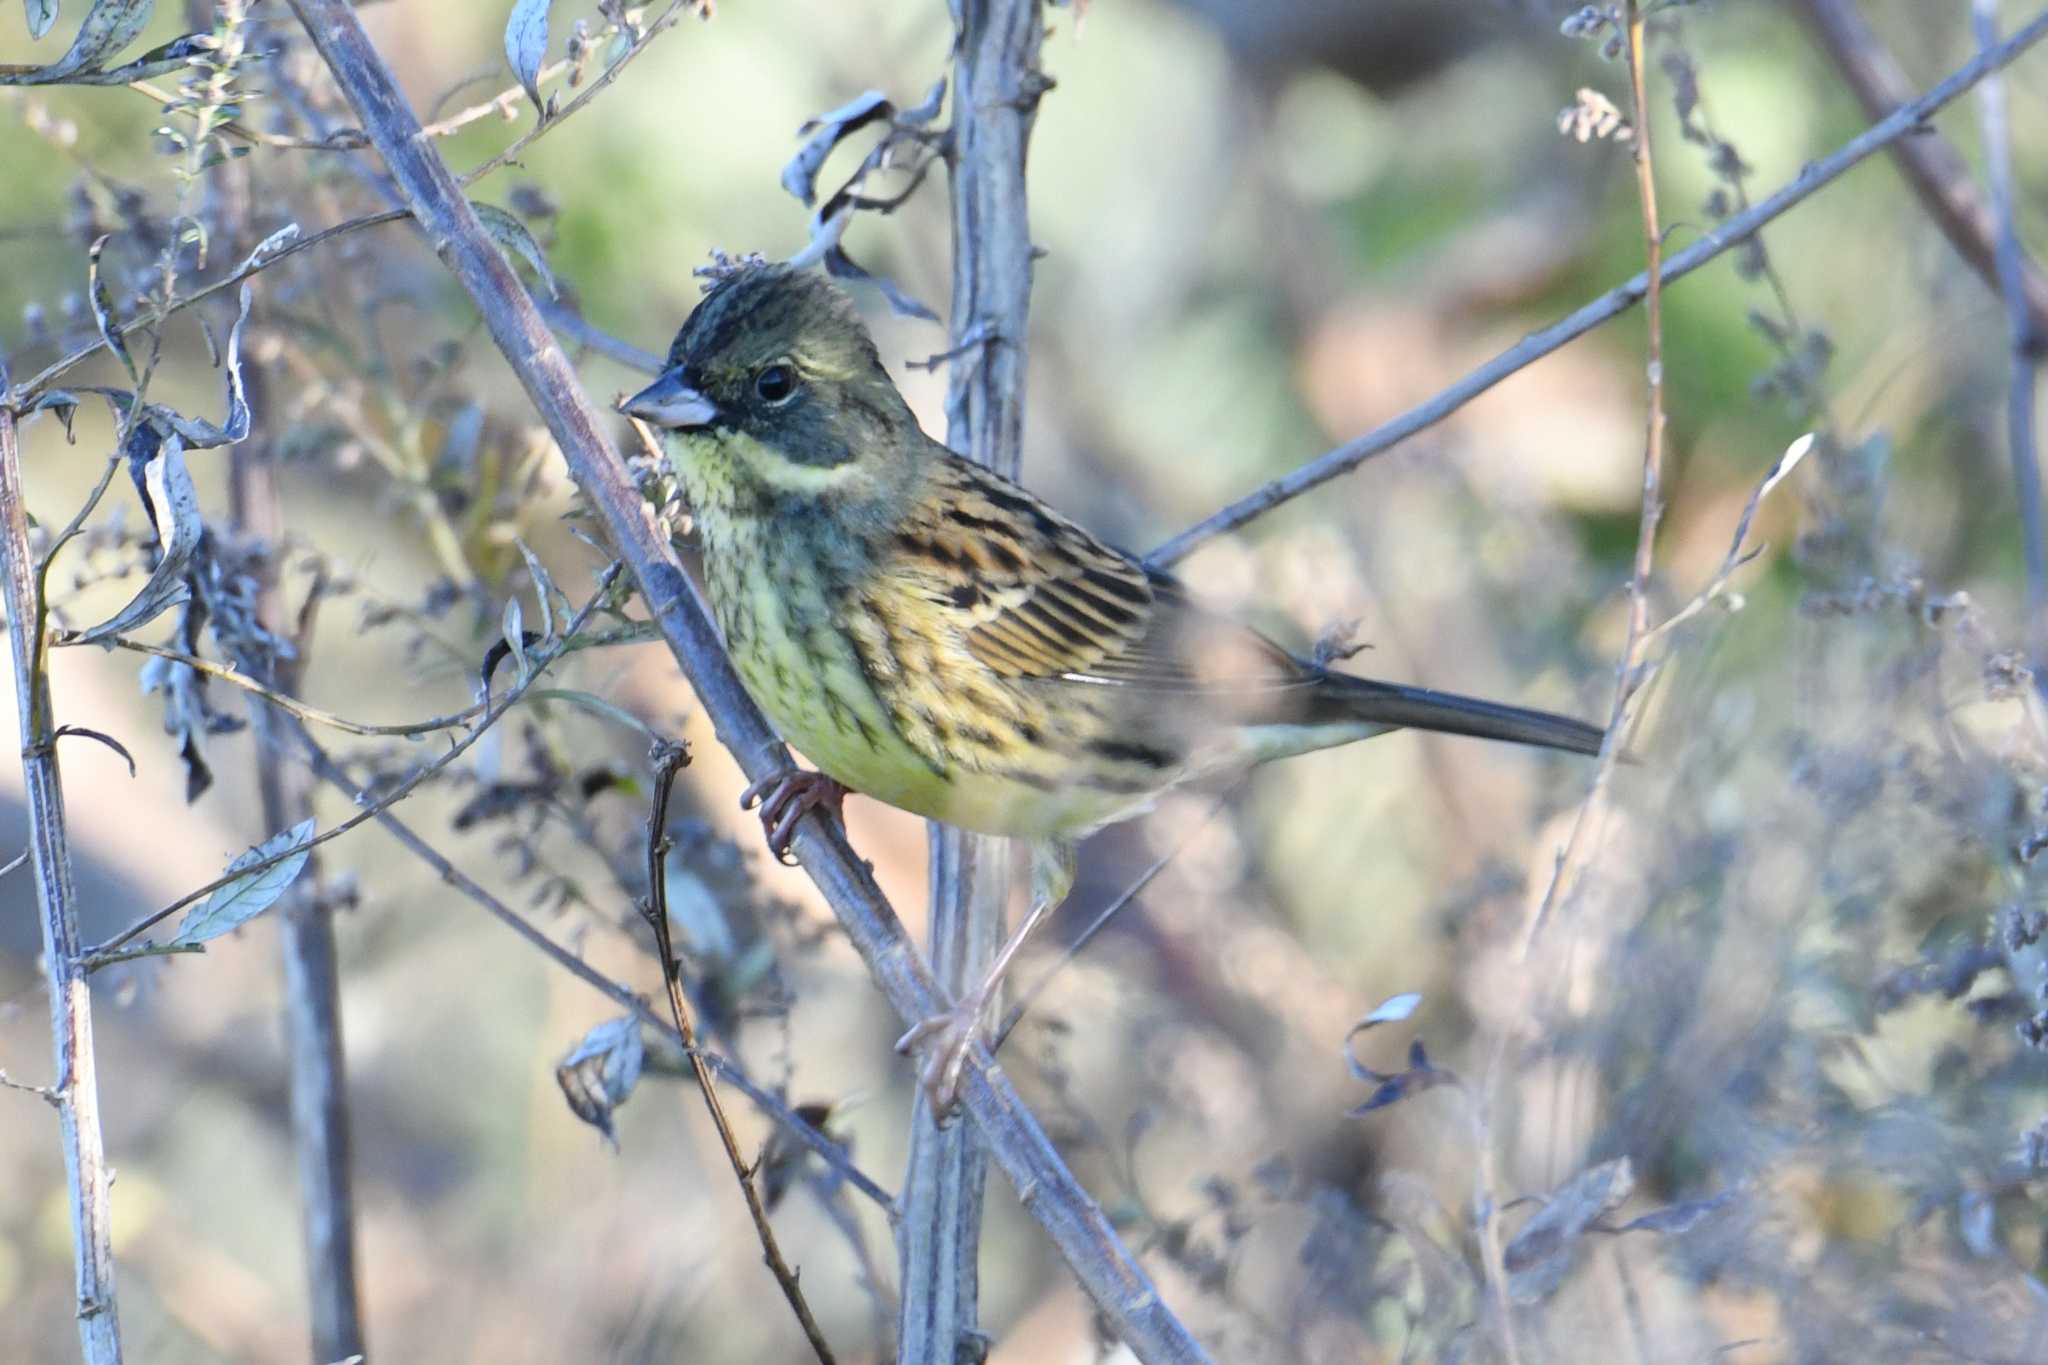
pixel 930 634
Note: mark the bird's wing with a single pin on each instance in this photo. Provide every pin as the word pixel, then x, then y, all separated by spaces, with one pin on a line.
pixel 1035 596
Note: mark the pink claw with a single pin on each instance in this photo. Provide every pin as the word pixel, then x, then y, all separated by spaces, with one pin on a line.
pixel 785 798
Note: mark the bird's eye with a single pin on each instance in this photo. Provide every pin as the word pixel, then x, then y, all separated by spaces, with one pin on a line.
pixel 776 383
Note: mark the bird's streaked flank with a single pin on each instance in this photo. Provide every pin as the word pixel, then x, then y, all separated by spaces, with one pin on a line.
pixel 932 635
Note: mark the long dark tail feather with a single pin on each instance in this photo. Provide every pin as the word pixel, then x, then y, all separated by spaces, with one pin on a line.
pixel 1419 708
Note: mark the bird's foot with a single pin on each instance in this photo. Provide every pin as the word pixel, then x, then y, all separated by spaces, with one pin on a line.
pixel 785 798
pixel 947 1040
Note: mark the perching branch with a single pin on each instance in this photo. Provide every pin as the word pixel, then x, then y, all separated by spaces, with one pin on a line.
pixel 1075 1223
pixel 1907 119
pixel 75 1089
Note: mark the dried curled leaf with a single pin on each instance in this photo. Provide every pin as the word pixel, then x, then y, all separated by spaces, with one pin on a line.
pixel 173 505
pixel 103 307
pixel 1537 1259
pixel 244 898
pixel 544 590
pixel 1392 1087
pixel 600 1072
pixel 1680 1218
pixel 266 249
pixel 841 266
pixel 825 132
pixel 905 143
pixel 200 434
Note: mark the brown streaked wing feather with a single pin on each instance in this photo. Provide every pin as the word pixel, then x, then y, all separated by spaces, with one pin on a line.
pixel 1035 596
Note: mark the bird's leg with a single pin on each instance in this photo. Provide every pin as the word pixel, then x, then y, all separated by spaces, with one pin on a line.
pixel 785 798
pixel 950 1038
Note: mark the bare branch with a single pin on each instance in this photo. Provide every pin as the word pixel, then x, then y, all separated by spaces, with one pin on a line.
pixel 996 84
pixel 312 975
pixel 75 1092
pixel 1907 119
pixel 2028 326
pixel 1075 1223
pixel 669 759
pixel 1930 162
pixel 832 1152
pixel 284 701
pixel 539 661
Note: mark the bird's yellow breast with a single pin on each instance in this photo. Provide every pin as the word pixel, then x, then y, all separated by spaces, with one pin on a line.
pixel 857 672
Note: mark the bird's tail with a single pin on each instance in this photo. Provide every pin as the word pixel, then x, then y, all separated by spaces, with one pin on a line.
pixel 1418 708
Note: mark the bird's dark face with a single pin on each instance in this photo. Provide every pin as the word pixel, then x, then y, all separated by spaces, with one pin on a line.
pixel 773 387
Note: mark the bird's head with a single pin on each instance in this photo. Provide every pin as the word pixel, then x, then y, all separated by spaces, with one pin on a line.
pixel 774 386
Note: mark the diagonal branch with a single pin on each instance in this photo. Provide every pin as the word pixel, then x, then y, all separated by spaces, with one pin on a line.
pixel 1907 119
pixel 1930 162
pixel 832 1153
pixel 1075 1223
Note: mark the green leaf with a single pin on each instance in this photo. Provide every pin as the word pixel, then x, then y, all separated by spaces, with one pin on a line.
pixel 526 46
pixel 41 14
pixel 512 237
pixel 514 629
pixel 597 706
pixel 543 588
pixel 244 898
pixel 109 26
pixel 175 55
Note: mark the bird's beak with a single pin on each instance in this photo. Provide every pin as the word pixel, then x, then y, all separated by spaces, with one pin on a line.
pixel 669 402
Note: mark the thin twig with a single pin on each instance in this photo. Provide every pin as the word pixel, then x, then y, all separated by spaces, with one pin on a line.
pixel 39 383
pixel 1029 995
pixel 569 323
pixel 507 157
pixel 1628 671
pixel 1931 164
pixel 2029 333
pixel 1905 120
pixel 1077 1226
pixel 318 1075
pixel 538 662
pixel 283 701
pixel 669 758
pixel 75 1089
pixel 1739 555
pixel 831 1152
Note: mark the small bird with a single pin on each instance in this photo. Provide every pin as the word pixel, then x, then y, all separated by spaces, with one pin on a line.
pixel 932 635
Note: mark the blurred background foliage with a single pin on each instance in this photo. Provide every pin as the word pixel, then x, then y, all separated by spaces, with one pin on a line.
pixel 1267 228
